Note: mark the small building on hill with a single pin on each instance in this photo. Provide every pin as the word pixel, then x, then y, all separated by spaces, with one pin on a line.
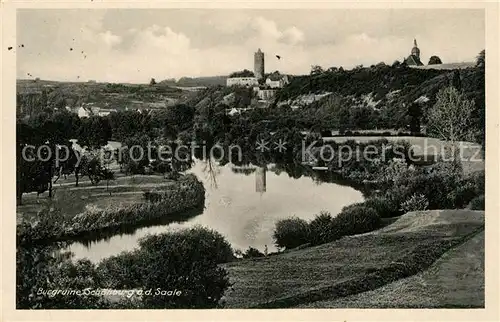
pixel 414 58
pixel 84 111
pixel 277 80
pixel 242 81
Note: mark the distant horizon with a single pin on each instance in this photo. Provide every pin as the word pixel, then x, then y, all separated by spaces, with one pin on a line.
pixel 194 77
pixel 135 45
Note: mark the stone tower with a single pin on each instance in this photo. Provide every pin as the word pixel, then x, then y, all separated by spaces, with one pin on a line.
pixel 258 65
pixel 415 51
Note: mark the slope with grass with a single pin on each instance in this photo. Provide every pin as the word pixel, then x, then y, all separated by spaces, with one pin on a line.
pixel 456 280
pixel 352 264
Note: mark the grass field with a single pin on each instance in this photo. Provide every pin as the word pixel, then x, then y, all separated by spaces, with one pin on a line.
pixel 350 265
pixel 72 200
pixel 437 286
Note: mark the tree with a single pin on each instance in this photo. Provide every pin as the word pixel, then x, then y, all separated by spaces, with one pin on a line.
pixel 186 261
pixel 415 113
pixel 46 268
pixel 92 167
pixel 450 119
pixel 290 233
pixel 95 132
pixel 152 82
pixel 316 70
pixel 481 59
pixel 243 73
pixel 456 80
pixel 434 60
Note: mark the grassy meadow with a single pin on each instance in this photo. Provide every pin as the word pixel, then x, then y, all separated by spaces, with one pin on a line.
pixel 71 200
pixel 354 264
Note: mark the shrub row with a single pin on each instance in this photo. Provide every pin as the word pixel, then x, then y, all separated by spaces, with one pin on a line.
pixel 357 219
pixel 443 190
pixel 384 134
pixel 185 194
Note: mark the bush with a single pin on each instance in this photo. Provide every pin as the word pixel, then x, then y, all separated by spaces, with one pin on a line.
pixel 357 220
pixel 416 202
pixel 186 261
pixel 252 252
pixel 436 187
pixel 322 229
pixel 121 271
pixel 291 232
pixel 467 189
pixel 385 207
pixel 477 203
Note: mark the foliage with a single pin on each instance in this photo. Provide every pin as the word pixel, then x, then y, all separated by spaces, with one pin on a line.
pixel 121 271
pixel 467 188
pixel 383 205
pixel 185 261
pixel 416 202
pixel 95 132
pixel 252 253
pixel 357 220
pixel 435 60
pixel 481 59
pixel 184 194
pixel 477 203
pixel 322 229
pixel 135 154
pixel 291 232
pixel 450 118
pixel 243 73
pixel 43 268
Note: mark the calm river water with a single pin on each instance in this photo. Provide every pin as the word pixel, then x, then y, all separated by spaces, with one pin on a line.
pixel 242 204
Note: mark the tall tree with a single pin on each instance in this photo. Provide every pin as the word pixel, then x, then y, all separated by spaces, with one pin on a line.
pixel 456 80
pixel 95 132
pixel 450 119
pixel 481 59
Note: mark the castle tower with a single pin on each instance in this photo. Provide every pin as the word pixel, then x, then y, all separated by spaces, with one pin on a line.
pixel 260 179
pixel 415 51
pixel 258 65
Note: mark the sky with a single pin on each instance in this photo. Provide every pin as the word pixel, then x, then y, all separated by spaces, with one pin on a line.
pixel 135 45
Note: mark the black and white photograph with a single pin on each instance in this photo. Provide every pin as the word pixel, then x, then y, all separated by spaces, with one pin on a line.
pixel 249 158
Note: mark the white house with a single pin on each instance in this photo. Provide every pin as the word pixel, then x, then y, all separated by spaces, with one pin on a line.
pixel 105 111
pixel 277 80
pixel 83 112
pixel 242 81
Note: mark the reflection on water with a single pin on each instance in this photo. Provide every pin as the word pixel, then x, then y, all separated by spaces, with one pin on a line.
pixel 242 207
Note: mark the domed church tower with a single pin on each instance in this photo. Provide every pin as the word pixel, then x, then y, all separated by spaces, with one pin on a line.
pixel 415 51
pixel 414 58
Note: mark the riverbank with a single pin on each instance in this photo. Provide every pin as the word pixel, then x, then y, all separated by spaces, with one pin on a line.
pixel 353 264
pixel 138 203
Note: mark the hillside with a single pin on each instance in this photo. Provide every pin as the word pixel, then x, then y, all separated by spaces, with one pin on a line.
pixel 362 263
pixel 33 95
pixel 382 83
pixel 197 81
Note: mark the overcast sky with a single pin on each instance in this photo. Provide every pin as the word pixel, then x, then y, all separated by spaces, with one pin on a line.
pixel 135 45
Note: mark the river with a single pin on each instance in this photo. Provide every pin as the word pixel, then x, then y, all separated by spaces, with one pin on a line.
pixel 243 204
